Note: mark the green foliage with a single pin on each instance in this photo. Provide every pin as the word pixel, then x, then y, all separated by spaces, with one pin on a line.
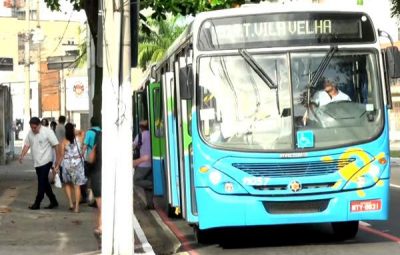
pixel 187 7
pixel 395 8
pixel 54 5
pixel 154 44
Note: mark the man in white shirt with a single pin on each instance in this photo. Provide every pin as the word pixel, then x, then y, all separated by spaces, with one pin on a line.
pixel 42 141
pixel 330 94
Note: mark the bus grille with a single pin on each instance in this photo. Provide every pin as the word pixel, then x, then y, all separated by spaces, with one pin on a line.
pixel 276 170
pixel 295 207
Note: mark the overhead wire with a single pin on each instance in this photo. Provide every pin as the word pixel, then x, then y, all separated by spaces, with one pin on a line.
pixel 62 37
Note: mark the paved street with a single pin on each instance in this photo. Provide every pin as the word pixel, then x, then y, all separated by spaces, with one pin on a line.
pixel 373 238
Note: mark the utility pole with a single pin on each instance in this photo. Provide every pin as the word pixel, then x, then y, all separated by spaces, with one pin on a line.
pixel 27 95
pixel 117 185
pixel 38 61
pixel 63 97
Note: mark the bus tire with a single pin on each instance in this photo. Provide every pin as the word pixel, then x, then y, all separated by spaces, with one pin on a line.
pixel 202 236
pixel 345 230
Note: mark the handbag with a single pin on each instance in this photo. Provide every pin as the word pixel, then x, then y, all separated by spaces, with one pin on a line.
pixel 57 181
pixel 136 150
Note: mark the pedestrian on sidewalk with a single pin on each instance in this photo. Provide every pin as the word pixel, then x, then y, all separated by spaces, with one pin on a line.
pixel 95 160
pixel 41 141
pixel 60 128
pixel 88 144
pixel 53 126
pixel 143 174
pixel 45 122
pixel 60 133
pixel 73 169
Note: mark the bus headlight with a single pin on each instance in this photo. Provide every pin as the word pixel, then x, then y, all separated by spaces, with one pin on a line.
pixel 365 177
pixel 219 181
pixel 229 187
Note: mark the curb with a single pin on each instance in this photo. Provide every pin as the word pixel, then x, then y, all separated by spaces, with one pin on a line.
pixel 172 239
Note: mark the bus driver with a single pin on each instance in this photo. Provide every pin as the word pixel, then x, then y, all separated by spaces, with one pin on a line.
pixel 330 94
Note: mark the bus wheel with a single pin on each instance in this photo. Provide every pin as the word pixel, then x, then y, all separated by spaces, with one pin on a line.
pixel 345 230
pixel 202 236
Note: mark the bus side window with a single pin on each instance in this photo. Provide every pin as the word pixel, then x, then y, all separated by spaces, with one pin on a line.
pixel 142 107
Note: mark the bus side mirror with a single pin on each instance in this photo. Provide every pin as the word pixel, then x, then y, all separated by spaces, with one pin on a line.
pixel 392 56
pixel 186 84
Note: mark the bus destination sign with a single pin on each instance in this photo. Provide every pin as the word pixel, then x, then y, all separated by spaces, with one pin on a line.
pixel 274 30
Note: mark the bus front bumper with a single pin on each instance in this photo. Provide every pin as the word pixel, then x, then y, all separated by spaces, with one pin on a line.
pixel 217 210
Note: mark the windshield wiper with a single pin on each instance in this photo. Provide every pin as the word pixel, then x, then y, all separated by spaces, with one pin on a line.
pixel 322 66
pixel 265 78
pixel 278 106
pixel 257 68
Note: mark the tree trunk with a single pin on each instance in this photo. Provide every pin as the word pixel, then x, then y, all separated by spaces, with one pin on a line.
pixel 97 98
pixel 91 9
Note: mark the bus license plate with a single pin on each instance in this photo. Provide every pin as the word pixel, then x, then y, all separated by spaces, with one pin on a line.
pixel 366 205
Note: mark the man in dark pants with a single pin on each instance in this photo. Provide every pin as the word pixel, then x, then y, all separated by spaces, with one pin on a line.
pixel 41 141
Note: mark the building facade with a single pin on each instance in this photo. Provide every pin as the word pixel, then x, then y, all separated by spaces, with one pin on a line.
pixel 51 37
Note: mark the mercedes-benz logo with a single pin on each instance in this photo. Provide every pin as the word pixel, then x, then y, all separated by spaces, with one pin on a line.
pixel 295 186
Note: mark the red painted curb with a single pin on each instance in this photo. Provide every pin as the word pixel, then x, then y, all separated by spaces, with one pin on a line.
pixel 178 233
pixel 381 234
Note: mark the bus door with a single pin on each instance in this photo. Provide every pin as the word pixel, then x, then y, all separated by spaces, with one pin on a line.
pixel 171 146
pixel 157 138
pixel 184 108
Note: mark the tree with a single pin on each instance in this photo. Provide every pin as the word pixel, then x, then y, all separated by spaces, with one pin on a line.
pixel 395 7
pixel 187 7
pixel 153 45
pixel 160 7
pixel 91 8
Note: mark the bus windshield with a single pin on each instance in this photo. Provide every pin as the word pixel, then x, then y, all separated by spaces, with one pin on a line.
pixel 239 111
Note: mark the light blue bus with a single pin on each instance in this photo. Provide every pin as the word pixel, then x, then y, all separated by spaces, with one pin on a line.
pixel 265 116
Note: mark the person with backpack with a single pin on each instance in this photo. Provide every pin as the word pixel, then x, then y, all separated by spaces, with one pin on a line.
pixel 91 138
pixel 143 174
pixel 94 158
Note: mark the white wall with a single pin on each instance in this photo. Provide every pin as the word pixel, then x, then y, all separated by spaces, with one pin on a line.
pixel 18 94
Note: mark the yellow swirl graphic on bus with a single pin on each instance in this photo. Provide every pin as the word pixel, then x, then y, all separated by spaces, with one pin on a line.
pixel 355 171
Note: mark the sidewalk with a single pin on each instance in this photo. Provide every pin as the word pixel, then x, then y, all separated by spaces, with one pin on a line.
pixel 57 231
pixel 23 231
